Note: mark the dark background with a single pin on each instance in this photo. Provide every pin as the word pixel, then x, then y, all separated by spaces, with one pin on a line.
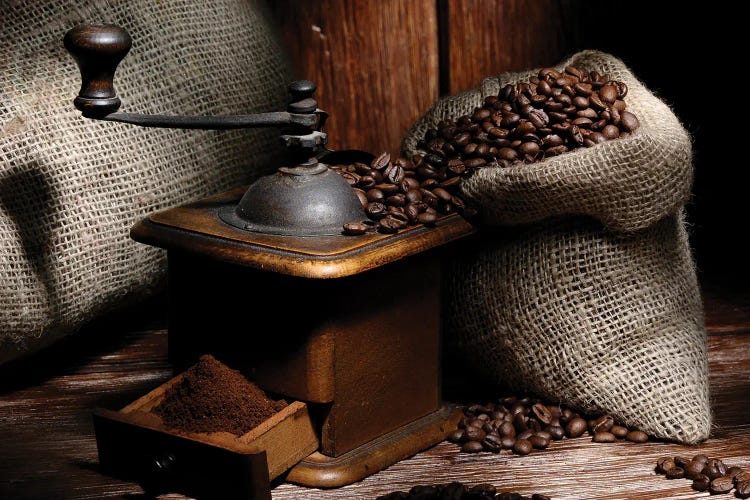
pixel 689 54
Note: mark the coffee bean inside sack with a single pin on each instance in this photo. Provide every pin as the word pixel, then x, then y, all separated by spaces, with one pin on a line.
pixel 458 491
pixel 707 474
pixel 523 425
pixel 553 113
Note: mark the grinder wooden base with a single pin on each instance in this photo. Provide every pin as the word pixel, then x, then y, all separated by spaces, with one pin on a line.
pixel 348 325
pixel 321 471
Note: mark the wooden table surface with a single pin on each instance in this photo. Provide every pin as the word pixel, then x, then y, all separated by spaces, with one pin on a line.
pixel 47 447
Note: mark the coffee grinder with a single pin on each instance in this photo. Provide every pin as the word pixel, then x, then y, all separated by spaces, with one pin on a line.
pixel 347 327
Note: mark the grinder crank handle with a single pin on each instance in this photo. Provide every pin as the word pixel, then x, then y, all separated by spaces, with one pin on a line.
pixel 98 49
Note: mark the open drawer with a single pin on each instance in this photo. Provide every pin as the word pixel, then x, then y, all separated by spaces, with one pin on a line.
pixel 135 445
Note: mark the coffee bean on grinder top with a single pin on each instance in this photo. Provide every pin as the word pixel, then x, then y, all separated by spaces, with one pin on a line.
pixel 551 114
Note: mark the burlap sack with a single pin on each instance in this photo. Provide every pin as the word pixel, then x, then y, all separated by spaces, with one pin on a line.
pixel 585 292
pixel 71 188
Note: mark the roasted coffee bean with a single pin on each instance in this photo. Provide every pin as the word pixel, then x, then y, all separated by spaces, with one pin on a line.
pixel 539 442
pixel 552 140
pixel 637 436
pixel 542 413
pixel 354 228
pixel 587 113
pixel 395 173
pixel 408 184
pixel 718 465
pixel 366 181
pixel 608 93
pixel 681 461
pixel 483 491
pixel 604 437
pixel 474 433
pixel 546 435
pixel 396 200
pixel 442 194
pixel 472 447
pixel 583 89
pixel 400 217
pixel 557 150
pixel 456 436
pixel 603 424
pixel 693 469
pixel 389 225
pixel 381 162
pixel 413 196
pixel 611 132
pixel 597 137
pixel 556 432
pixel 576 427
pixel 529 149
pixel 723 484
pixel 622 88
pixel 525 434
pixel 387 189
pixel 743 489
pixel 507 429
pixel 376 210
pixel 700 458
pixel 712 471
pixel 665 464
pixel 734 471
pixel 492 443
pixel 427 219
pixel 475 162
pixel 614 114
pixel 619 431
pixel 675 473
pixel 742 476
pixel 538 118
pixel 362 196
pixel 628 121
pixel 701 482
pixel 351 178
pixel 522 447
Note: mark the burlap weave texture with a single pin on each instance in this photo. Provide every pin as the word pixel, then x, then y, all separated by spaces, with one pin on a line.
pixel 583 289
pixel 71 188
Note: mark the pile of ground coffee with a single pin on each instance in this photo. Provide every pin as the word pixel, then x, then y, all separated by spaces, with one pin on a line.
pixel 212 397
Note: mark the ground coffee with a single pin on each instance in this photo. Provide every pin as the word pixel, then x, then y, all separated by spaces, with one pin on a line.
pixel 212 397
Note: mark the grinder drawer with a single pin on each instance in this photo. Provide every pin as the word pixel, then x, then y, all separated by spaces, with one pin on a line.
pixel 134 444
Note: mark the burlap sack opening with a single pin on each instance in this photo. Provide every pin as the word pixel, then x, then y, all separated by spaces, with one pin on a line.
pixel 592 299
pixel 71 188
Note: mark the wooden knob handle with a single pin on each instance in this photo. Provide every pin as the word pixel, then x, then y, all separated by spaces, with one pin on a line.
pixel 302 100
pixel 97 49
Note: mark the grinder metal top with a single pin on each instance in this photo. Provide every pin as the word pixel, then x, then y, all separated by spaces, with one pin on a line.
pixel 304 198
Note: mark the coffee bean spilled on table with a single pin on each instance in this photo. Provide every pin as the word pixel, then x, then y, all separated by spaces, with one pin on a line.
pixel 523 425
pixel 707 474
pixel 458 491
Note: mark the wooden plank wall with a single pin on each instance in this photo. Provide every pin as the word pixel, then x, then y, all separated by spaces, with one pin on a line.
pixel 381 64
